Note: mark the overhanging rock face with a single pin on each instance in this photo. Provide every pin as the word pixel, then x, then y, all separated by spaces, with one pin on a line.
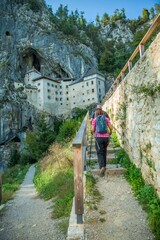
pixel 28 39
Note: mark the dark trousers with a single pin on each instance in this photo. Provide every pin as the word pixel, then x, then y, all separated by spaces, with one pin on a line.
pixel 101 144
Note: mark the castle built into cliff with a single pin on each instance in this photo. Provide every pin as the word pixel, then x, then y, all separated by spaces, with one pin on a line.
pixel 59 96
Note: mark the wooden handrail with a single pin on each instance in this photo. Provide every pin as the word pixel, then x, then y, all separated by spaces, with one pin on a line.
pixel 136 51
pixel 79 147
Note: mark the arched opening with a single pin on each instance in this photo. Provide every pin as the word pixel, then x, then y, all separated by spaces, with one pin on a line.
pixel 32 59
pixel 7 33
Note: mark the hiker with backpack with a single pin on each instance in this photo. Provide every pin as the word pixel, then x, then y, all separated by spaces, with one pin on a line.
pixel 102 129
pixel 93 113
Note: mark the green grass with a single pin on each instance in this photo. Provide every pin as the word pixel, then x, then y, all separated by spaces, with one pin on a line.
pixel 115 140
pixel 11 180
pixel 92 191
pixel 54 179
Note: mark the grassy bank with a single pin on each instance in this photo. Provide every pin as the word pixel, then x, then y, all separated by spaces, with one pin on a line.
pixel 11 180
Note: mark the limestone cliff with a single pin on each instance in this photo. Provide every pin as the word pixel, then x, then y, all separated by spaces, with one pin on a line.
pixel 27 39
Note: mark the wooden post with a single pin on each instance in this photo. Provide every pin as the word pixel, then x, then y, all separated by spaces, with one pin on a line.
pixel 78 183
pixel 129 65
pixel 141 49
pixel 0 188
pixel 122 75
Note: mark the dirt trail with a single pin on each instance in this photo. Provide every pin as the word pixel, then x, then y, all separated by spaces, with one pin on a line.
pixel 27 217
pixel 119 216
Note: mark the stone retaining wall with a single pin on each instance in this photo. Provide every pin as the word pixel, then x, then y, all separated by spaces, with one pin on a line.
pixel 135 112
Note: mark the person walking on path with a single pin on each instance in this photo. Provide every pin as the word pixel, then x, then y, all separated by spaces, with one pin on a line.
pixel 100 125
pixel 93 113
pixel 27 217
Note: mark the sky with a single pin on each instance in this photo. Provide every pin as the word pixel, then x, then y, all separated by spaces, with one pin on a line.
pixel 133 8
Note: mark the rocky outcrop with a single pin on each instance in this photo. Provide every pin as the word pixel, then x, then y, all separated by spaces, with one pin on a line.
pixel 119 31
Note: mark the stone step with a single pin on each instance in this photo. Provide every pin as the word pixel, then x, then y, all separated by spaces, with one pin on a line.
pixel 93 151
pixel 111 169
pixel 93 144
pixel 93 157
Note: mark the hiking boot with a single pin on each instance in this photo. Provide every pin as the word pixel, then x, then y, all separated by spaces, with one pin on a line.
pixel 102 171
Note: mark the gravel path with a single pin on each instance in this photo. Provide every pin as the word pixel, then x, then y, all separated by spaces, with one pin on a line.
pixel 27 217
pixel 119 216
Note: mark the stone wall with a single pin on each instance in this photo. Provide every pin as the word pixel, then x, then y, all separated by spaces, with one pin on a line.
pixel 135 111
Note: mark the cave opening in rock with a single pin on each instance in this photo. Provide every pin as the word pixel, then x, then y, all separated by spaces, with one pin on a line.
pixel 32 59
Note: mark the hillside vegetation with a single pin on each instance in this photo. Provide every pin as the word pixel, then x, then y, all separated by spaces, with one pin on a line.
pixel 112 52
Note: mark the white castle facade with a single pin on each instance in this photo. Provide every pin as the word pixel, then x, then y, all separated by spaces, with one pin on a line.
pixel 59 96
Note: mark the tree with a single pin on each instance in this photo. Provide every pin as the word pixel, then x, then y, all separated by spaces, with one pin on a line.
pixel 145 14
pixel 118 15
pixel 97 20
pixel 157 8
pixel 106 63
pixel 35 5
pixel 152 12
pixel 105 19
pixel 37 142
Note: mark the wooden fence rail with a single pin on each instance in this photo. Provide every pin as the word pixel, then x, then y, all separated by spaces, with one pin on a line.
pixel 128 66
pixel 79 155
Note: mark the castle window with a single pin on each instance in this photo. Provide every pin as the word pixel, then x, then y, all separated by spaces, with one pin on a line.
pixel 7 33
pixel 87 91
pixel 56 99
pixel 48 90
pixel 83 100
pixel 60 86
pixel 39 84
pixel 66 92
pixel 61 103
pixel 52 85
pixel 66 86
pixel 49 97
pixel 92 82
pixel 92 98
pixel 99 90
pixel 99 82
pixel 39 90
pixel 87 83
pixel 48 84
pixel 67 98
pixel 88 99
pixel 55 86
pixel 92 90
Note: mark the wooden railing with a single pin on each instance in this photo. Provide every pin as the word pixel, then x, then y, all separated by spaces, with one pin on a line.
pixel 128 66
pixel 79 159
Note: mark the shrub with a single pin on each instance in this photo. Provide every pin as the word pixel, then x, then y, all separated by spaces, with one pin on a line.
pixel 14 158
pixel 68 130
pixel 35 5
